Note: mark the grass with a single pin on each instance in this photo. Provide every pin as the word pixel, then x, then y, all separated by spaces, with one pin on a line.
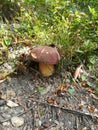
pixel 73 30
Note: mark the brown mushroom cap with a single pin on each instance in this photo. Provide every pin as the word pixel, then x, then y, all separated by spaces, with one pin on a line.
pixel 45 54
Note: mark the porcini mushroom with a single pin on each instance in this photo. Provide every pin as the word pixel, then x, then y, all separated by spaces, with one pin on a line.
pixel 47 57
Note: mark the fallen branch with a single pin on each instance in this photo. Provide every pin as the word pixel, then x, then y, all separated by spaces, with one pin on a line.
pixel 16 115
pixel 93 116
pixel 68 110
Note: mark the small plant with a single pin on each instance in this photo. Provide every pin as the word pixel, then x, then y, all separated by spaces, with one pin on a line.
pixel 65 23
pixel 41 88
pixel 8 41
pixel 71 90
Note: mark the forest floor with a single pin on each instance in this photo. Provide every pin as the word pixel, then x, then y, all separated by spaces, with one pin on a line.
pixel 29 101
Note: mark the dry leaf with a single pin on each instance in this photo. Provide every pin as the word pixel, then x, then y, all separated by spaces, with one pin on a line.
pixel 85 128
pixel 84 84
pixel 40 128
pixel 21 68
pixel 4 96
pixel 19 101
pixel 2 77
pixel 1 93
pixel 89 90
pixel 17 121
pixel 62 88
pixel 78 72
pixel 51 101
pixel 27 42
pixel 80 106
pixel 92 109
pixel 96 120
pixel 11 104
pixel 10 94
pixel 46 124
pixel 22 57
pixel 16 38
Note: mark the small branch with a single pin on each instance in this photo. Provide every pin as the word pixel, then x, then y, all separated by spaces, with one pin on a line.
pixel 69 110
pixel 1 81
pixel 94 96
pixel 18 42
pixel 17 115
pixel 55 106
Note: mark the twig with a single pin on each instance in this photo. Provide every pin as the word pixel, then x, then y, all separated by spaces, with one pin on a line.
pixel 68 110
pixel 55 106
pixel 94 96
pixel 77 125
pixel 36 71
pixel 18 42
pixel 1 81
pixel 17 115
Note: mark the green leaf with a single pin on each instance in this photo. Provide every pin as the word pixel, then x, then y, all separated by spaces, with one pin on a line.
pixel 89 83
pixel 40 89
pixel 79 51
pixel 67 80
pixel 8 41
pixel 83 77
pixel 71 90
pixel 1 62
pixel 92 60
pixel 92 10
pixel 86 43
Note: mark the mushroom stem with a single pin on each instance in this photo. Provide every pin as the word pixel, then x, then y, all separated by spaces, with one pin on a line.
pixel 46 69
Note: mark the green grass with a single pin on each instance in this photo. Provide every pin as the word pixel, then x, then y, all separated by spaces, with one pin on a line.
pixel 63 23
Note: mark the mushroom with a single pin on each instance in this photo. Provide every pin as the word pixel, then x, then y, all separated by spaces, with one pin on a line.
pixel 47 57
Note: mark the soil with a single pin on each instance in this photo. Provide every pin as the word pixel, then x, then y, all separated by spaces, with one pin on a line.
pixel 47 103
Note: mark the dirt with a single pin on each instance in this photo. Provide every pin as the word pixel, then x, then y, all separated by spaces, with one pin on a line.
pixel 47 103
